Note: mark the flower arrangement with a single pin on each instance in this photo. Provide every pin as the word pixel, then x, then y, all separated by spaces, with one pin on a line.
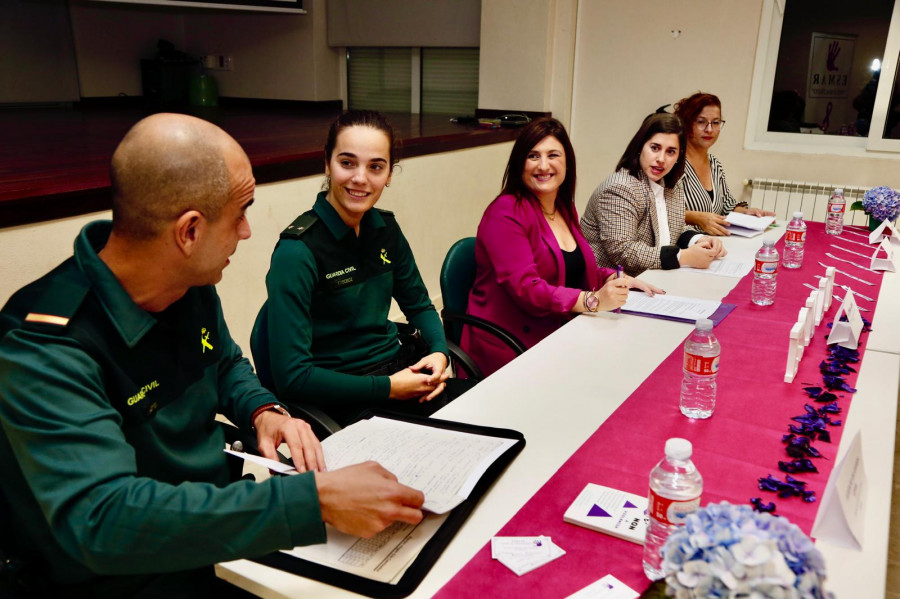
pixel 881 203
pixel 726 550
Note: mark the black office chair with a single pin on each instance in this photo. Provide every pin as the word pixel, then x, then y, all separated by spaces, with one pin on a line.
pixel 322 424
pixel 457 278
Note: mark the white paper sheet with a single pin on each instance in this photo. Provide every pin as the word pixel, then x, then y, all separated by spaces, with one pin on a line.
pixel 443 464
pixel 745 225
pixel 672 306
pixel 384 557
pixel 724 267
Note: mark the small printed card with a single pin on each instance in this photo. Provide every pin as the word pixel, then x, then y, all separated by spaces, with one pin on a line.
pixel 524 554
pixel 883 258
pixel 610 511
pixel 608 587
pixel 841 517
pixel 846 334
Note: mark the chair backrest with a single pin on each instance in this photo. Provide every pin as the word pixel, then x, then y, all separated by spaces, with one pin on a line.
pixel 457 278
pixel 259 347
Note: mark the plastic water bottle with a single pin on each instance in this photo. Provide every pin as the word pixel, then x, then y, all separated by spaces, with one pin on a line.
pixel 834 222
pixel 763 291
pixel 793 242
pixel 675 489
pixel 701 364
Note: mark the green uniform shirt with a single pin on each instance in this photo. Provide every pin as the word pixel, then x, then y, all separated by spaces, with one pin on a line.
pixel 329 297
pixel 109 455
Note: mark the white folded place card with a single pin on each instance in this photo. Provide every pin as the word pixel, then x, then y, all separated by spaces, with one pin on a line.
pixel 608 587
pixel 883 258
pixel 885 229
pixel 846 333
pixel 841 516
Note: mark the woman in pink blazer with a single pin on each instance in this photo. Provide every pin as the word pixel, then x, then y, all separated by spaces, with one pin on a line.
pixel 535 270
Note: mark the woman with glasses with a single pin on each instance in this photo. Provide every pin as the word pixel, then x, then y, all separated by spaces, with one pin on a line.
pixel 635 219
pixel 707 198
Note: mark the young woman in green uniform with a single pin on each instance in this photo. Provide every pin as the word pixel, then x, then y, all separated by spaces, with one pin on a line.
pixel 330 284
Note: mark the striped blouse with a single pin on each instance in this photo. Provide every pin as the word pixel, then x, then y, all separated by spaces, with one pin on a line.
pixel 697 197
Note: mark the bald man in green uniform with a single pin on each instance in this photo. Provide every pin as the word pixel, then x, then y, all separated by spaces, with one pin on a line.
pixel 112 369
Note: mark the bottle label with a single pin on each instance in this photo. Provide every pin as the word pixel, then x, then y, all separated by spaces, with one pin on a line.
pixel 670 511
pixel 796 236
pixel 766 268
pixel 701 365
pixel 836 207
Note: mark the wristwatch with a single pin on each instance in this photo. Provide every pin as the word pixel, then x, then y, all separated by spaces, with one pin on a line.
pixel 591 301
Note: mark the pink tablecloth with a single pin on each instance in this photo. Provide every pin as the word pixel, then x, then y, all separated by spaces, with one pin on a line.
pixel 738 445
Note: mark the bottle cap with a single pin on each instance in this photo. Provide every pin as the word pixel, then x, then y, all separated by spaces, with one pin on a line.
pixel 678 449
pixel 704 324
pixel 839 190
pixel 798 215
pixel 768 242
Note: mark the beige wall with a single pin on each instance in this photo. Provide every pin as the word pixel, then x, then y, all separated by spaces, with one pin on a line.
pixel 276 56
pixel 628 64
pixel 437 199
pixel 527 53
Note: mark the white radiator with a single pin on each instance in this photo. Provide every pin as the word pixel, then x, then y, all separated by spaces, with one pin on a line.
pixel 786 197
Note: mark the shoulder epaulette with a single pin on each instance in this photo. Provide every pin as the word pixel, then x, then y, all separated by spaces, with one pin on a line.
pixel 300 225
pixel 50 308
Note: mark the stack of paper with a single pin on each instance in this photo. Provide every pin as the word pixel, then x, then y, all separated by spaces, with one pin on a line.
pixel 524 554
pixel 744 225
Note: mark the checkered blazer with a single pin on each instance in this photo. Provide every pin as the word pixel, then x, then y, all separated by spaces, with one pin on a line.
pixel 620 222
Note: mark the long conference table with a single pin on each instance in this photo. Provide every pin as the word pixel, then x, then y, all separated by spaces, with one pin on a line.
pixel 559 392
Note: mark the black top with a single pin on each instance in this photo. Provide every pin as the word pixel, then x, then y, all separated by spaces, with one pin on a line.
pixel 575 267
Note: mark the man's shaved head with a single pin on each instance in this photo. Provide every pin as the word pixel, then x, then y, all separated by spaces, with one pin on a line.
pixel 166 165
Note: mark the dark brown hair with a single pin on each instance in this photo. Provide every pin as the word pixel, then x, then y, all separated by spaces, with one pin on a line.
pixel 688 109
pixel 659 122
pixel 531 135
pixel 362 118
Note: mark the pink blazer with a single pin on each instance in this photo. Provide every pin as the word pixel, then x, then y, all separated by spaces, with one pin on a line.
pixel 520 278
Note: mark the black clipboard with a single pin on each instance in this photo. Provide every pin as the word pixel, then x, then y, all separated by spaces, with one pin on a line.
pixel 435 546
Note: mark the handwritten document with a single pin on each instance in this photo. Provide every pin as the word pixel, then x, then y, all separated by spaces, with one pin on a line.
pixel 445 465
pixel 669 306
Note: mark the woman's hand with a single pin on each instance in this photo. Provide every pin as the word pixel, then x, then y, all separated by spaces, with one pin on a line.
pixel 710 222
pixel 754 211
pixel 713 243
pixel 697 256
pixel 412 383
pixel 644 286
pixel 613 294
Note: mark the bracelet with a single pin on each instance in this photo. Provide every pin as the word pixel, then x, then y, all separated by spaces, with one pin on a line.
pixel 275 407
pixel 742 205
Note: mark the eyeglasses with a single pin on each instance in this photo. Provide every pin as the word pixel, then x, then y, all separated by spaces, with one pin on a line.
pixel 703 124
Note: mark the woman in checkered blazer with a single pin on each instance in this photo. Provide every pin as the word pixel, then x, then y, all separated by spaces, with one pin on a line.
pixel 635 219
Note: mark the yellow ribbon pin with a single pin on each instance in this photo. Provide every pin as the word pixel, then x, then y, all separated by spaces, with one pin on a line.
pixel 384 258
pixel 204 340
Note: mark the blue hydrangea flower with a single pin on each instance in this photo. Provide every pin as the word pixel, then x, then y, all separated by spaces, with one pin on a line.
pixel 882 203
pixel 726 550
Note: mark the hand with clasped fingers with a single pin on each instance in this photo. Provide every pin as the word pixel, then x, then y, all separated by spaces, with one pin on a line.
pixel 424 380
